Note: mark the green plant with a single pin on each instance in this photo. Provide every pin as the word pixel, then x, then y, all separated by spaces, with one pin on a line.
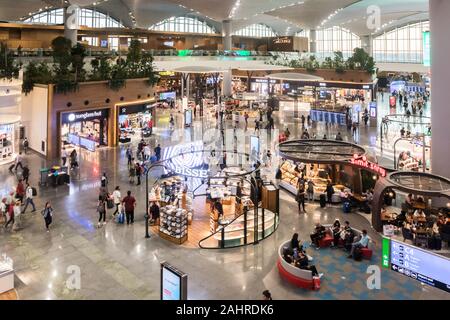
pixel 8 68
pixel 61 52
pixel 36 73
pixel 118 75
pixel 338 62
pixel 361 60
pixel 77 54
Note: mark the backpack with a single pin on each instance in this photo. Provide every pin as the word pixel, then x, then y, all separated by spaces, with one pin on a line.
pixel 101 208
pixel 33 191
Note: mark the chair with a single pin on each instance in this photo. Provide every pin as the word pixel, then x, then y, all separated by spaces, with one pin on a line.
pixel 407 235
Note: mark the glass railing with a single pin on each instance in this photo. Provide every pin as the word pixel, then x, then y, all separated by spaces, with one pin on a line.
pixel 246 229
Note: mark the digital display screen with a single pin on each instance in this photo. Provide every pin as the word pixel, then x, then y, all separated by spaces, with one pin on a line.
pixel 104 43
pixel 168 95
pixel 171 285
pixel 187 118
pixel 373 109
pixel 421 265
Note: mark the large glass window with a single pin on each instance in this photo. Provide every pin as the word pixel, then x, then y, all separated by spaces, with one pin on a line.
pixel 335 39
pixel 86 17
pixel 404 44
pixel 256 31
pixel 183 24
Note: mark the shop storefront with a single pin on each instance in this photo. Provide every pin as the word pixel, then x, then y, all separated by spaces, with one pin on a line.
pixel 342 164
pixel 135 121
pixel 85 129
pixel 9 138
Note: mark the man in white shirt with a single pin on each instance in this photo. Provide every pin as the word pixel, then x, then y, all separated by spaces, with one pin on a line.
pixel 63 156
pixel 117 199
pixel 18 162
pixel 29 198
pixel 362 243
pixel 3 208
pixel 147 152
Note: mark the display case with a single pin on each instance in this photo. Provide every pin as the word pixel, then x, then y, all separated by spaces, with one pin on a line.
pixel 9 138
pixel 6 274
pixel 173 224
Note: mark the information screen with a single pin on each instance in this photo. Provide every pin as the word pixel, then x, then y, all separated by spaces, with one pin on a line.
pixel 421 265
pixel 187 118
pixel 171 285
pixel 168 95
pixel 254 147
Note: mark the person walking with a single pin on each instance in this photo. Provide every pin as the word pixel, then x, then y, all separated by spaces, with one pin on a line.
pixel 101 209
pixel 25 173
pixel 64 156
pixel 3 210
pixel 19 159
pixel 104 181
pixel 20 191
pixel 129 154
pixel 129 203
pixel 132 173
pixel 138 173
pixel 158 152
pixel 29 198
pixel 310 190
pixel 9 215
pixel 117 199
pixel 47 213
pixel 17 216
pixel 301 198
pixel 25 145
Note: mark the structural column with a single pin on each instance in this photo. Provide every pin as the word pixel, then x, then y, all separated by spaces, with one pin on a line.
pixel 366 44
pixel 226 34
pixel 312 41
pixel 227 83
pixel 71 23
pixel 440 69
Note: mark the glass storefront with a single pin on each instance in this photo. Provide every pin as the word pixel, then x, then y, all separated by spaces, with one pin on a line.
pixel 88 129
pixel 135 122
pixel 9 139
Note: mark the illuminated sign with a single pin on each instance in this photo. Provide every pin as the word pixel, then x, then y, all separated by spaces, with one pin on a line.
pixel 420 265
pixel 82 116
pixel 426 49
pixel 189 172
pixel 173 283
pixel 284 40
pixel 362 162
pixel 167 73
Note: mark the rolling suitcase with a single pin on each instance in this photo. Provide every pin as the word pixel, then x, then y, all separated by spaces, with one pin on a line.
pixel 323 201
pixel 346 207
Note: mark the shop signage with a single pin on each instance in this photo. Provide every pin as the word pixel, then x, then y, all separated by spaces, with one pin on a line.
pixel 282 40
pixel 83 116
pixel 362 162
pixel 421 265
pixel 265 81
pixel 134 108
pixel 167 73
pixel 190 172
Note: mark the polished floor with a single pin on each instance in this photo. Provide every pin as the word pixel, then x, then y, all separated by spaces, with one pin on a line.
pixel 117 262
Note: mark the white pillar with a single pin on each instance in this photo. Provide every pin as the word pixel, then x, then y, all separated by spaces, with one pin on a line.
pixel 312 41
pixel 188 86
pixel 366 44
pixel 440 69
pixel 226 34
pixel 227 84
pixel 71 23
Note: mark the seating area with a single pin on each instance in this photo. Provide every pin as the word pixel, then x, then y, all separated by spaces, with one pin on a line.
pixel 298 277
pixel 328 239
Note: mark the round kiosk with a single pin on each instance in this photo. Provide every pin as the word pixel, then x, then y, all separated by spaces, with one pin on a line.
pixel 343 164
pixel 9 138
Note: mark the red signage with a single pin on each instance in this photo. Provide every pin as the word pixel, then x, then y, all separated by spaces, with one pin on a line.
pixel 362 162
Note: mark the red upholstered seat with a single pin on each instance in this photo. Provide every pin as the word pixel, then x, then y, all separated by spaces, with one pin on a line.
pixel 295 280
pixel 366 253
pixel 326 241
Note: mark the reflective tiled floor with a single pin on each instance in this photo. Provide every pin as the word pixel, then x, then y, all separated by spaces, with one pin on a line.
pixel 117 262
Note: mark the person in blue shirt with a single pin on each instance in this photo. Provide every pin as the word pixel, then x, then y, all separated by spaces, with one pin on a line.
pixel 362 243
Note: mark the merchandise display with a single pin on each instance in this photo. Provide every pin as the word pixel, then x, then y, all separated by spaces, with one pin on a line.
pixel 9 138
pixel 173 224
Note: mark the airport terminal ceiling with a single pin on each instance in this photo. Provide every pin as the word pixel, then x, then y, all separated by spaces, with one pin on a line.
pixel 286 17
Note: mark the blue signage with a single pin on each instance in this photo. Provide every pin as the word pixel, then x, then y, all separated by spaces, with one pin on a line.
pixel 421 265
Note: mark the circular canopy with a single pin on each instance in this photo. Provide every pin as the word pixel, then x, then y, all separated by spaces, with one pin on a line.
pixel 198 69
pixel 319 151
pixel 9 119
pixel 294 76
pixel 420 182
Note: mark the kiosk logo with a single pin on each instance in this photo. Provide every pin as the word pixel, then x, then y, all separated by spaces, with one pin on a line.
pixel 71 117
pixel 72 17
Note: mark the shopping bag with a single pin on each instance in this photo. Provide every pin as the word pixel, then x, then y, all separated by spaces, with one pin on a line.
pixel 316 283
